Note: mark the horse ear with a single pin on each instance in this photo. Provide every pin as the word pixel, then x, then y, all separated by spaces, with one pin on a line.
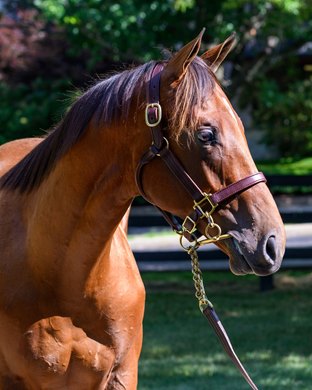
pixel 178 64
pixel 215 56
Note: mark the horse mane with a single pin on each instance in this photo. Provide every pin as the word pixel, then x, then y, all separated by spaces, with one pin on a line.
pixel 107 101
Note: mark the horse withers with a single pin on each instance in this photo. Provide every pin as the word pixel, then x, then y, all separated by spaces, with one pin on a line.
pixel 71 296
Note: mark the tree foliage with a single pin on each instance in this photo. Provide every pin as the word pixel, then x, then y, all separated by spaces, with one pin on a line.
pixel 286 115
pixel 29 107
pixel 63 40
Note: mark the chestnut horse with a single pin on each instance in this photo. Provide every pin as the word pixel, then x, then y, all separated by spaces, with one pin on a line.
pixel 71 296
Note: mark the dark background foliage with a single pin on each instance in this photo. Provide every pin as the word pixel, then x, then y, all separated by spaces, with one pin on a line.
pixel 51 47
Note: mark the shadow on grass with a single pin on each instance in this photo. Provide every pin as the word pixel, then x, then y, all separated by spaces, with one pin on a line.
pixel 269 331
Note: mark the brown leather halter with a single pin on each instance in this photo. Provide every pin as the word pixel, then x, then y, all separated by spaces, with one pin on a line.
pixel 204 206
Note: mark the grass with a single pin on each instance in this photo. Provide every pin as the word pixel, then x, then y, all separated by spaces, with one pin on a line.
pixel 287 167
pixel 270 331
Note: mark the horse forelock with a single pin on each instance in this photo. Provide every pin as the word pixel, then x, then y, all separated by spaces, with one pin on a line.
pixel 108 101
pixel 191 93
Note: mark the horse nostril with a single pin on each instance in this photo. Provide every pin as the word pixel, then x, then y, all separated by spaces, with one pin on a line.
pixel 271 248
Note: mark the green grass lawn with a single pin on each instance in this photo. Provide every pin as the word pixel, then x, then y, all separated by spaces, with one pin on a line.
pixel 271 333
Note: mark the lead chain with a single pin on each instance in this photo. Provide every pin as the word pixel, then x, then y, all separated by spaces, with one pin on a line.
pixel 200 292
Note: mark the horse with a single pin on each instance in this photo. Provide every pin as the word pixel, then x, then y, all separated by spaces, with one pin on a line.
pixel 71 295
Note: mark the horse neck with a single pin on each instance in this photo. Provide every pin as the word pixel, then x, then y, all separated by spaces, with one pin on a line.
pixel 85 197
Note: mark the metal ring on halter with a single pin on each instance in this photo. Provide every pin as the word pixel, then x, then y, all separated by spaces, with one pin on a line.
pixel 191 245
pixel 210 227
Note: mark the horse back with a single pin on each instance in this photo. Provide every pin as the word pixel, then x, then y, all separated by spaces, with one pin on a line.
pixel 12 152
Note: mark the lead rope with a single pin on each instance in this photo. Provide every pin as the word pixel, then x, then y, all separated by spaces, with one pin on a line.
pixel 208 311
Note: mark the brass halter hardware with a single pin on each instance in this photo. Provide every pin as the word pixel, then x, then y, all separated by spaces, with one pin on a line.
pixel 158 114
pixel 206 198
pixel 213 231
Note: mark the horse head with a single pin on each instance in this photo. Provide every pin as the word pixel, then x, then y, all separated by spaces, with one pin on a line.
pixel 206 136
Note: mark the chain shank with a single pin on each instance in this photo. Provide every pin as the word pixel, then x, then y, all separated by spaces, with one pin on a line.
pixel 200 292
pixel 208 311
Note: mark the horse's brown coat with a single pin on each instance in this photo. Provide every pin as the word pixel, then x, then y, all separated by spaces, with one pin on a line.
pixel 71 297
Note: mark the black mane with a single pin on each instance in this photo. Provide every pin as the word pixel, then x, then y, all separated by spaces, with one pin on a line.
pixel 107 101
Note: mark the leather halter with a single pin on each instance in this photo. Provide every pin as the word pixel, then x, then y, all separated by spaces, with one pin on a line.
pixel 204 204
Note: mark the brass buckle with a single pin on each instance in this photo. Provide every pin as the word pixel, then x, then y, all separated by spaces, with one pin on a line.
pixel 198 205
pixel 185 229
pixel 159 114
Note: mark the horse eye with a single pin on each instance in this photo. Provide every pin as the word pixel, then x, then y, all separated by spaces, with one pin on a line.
pixel 206 135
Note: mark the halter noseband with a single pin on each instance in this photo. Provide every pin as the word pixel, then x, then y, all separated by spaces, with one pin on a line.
pixel 204 204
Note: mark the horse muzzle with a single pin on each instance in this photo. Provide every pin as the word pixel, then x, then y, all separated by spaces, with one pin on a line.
pixel 249 256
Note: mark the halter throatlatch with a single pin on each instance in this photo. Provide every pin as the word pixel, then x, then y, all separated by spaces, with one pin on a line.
pixel 203 207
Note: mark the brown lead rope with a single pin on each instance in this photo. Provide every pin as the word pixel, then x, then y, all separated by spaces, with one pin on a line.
pixel 207 309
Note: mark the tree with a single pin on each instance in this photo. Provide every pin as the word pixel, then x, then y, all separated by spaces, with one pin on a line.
pixel 92 36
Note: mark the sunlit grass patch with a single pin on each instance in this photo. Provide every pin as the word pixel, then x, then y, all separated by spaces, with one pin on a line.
pixel 270 332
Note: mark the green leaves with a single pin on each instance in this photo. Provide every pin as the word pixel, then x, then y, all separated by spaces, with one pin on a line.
pixel 29 110
pixel 89 36
pixel 286 116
